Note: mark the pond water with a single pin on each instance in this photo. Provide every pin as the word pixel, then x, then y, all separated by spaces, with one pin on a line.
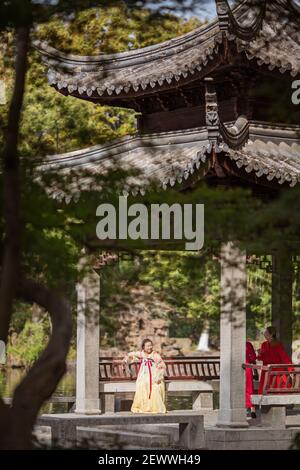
pixel 9 379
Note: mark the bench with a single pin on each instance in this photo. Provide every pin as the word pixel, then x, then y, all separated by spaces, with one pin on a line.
pixel 281 389
pixel 196 376
pixel 177 368
pixel 111 393
pixel 64 426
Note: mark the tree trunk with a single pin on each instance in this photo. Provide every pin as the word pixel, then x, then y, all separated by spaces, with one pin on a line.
pixel 17 422
pixel 10 262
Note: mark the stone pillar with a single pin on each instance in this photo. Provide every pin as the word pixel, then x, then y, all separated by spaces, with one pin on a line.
pixel 232 412
pixel 88 342
pixel 282 290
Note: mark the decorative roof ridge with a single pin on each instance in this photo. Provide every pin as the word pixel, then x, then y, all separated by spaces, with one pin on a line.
pixel 76 60
pixel 128 143
pixel 285 133
pixel 137 140
pixel 183 41
pixel 274 125
pixel 228 23
pixel 60 80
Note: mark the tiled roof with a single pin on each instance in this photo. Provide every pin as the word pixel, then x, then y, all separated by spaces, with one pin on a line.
pixel 276 44
pixel 168 158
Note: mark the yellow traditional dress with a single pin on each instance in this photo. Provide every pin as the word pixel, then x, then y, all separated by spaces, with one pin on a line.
pixel 149 395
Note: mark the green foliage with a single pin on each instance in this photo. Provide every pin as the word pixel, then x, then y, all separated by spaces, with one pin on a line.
pixel 29 344
pixel 53 123
pixel 259 301
pixel 111 28
pixel 190 285
pixel 22 314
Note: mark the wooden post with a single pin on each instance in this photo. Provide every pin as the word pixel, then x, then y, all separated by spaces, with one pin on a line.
pixel 282 308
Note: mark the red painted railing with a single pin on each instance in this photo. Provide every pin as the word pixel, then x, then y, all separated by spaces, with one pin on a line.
pixel 286 380
pixel 177 368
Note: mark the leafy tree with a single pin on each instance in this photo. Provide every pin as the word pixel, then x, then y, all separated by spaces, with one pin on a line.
pixel 31 222
pixel 29 344
pixel 42 239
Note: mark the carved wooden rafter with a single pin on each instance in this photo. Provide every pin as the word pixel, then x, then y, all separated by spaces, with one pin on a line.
pixel 137 106
pixel 228 23
pixel 234 136
pixel 161 103
pixel 188 100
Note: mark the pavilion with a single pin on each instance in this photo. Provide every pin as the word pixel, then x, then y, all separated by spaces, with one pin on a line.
pixel 199 117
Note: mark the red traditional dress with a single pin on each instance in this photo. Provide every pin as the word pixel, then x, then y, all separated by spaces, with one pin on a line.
pixel 272 353
pixel 250 359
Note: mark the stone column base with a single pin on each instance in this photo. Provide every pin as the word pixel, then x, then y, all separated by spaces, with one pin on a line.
pixel 87 406
pixel 234 418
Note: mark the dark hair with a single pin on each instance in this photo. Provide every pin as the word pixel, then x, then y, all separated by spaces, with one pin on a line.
pixel 146 340
pixel 272 331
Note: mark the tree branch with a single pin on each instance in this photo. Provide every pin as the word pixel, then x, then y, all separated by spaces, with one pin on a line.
pixel 44 376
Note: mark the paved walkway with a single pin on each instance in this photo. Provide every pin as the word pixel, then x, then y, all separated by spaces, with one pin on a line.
pixel 164 436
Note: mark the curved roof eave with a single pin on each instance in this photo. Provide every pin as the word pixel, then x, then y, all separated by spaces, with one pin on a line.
pixel 105 78
pixel 141 68
pixel 171 158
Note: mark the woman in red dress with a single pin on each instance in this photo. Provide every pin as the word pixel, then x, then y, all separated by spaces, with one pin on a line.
pixel 271 352
pixel 250 359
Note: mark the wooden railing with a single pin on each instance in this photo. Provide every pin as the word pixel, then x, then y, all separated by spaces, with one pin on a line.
pixel 177 368
pixel 279 378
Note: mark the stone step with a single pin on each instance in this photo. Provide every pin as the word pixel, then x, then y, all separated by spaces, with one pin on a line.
pixel 98 437
pixel 293 420
pixel 171 430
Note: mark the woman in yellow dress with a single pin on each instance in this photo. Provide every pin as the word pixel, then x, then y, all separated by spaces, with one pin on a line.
pixel 150 386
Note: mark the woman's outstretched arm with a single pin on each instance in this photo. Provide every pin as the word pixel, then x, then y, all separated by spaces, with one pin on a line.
pixel 132 356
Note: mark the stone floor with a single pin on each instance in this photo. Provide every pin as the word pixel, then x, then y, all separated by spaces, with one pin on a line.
pixel 165 436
